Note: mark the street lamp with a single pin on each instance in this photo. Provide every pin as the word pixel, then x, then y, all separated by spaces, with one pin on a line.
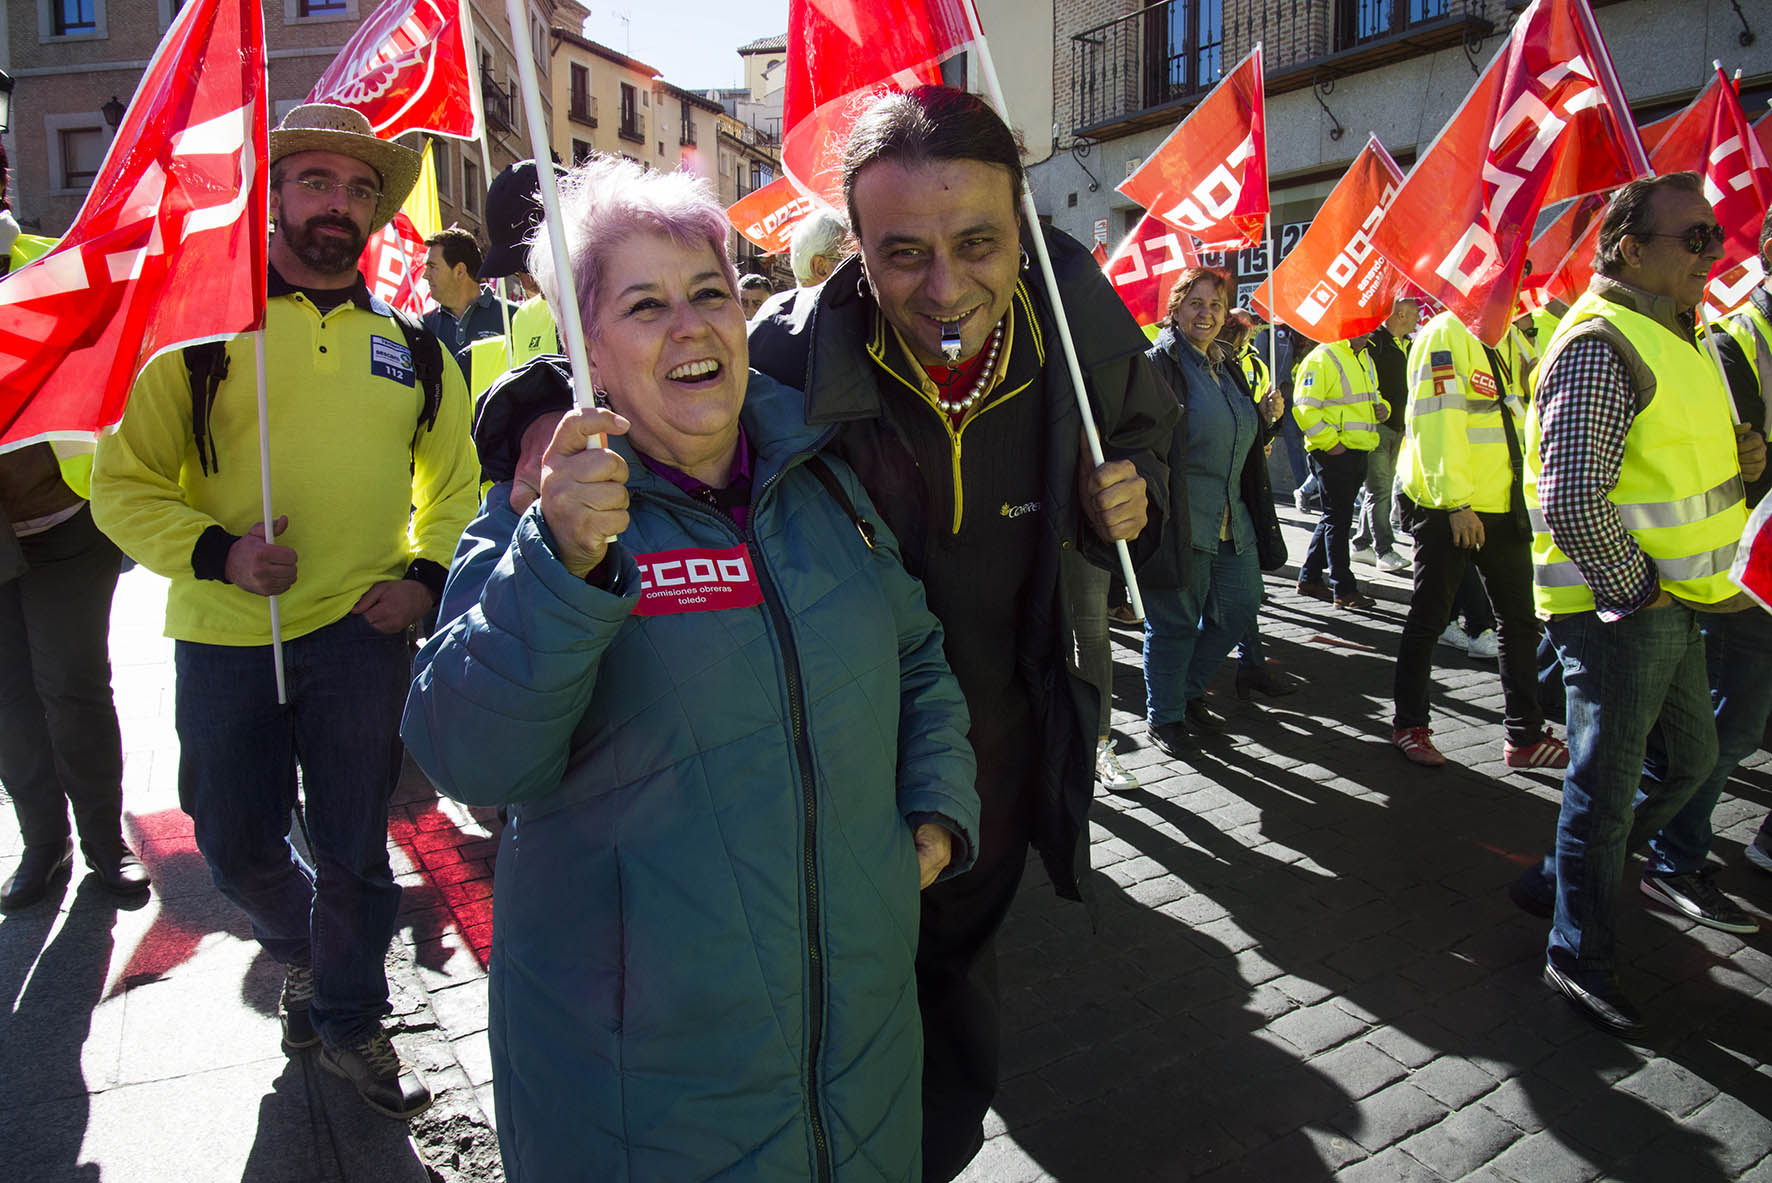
pixel 5 101
pixel 112 111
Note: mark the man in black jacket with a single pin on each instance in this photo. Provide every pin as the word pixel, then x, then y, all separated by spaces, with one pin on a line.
pixel 940 334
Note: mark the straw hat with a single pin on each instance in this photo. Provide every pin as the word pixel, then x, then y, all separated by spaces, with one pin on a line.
pixel 324 127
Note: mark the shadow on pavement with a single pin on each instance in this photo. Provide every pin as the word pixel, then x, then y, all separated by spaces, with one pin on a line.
pixel 51 991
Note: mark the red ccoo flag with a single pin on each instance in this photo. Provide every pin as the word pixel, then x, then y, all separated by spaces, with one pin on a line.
pixel 768 216
pixel 839 52
pixel 406 69
pixel 1144 268
pixel 169 246
pixel 1334 285
pixel 1546 121
pixel 1209 178
pixel 393 265
pixel 1710 137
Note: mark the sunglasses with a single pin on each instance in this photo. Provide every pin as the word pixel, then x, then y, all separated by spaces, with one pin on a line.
pixel 1696 238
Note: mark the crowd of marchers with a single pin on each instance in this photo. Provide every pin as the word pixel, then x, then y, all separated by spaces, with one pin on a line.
pixel 780 656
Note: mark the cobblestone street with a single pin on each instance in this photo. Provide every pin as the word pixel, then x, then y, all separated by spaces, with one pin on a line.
pixel 1299 963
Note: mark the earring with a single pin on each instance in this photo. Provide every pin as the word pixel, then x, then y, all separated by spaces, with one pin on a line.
pixel 861 286
pixel 1024 258
pixel 599 396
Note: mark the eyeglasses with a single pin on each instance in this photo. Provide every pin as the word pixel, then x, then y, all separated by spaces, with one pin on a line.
pixel 1697 238
pixel 327 188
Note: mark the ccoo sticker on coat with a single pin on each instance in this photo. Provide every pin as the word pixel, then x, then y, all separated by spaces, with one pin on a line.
pixel 674 581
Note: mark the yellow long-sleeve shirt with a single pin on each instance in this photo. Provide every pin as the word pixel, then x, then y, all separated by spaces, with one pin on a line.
pixel 364 501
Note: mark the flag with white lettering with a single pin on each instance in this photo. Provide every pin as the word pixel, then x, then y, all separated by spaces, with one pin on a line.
pixel 1547 120
pixel 1334 285
pixel 168 247
pixel 406 69
pixel 1144 268
pixel 840 53
pixel 767 216
pixel 1209 178
pixel 1730 286
pixel 393 265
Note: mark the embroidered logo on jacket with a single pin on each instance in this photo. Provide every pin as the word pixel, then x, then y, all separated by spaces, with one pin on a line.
pixel 1016 511
pixel 674 581
pixel 391 360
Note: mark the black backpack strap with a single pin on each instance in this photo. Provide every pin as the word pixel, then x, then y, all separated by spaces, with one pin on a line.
pixel 829 480
pixel 207 362
pixel 427 364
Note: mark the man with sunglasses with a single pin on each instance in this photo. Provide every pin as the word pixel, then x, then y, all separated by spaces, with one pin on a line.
pixel 373 478
pixel 1634 485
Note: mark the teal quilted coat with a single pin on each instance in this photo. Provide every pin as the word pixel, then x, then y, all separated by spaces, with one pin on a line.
pixel 705 913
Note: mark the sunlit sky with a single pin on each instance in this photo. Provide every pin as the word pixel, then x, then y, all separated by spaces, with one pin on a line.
pixel 691 42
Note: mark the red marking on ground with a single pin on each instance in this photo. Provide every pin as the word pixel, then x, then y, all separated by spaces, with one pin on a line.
pixel 463 885
pixel 162 840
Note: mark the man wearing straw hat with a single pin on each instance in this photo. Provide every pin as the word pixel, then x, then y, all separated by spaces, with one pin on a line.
pixel 373 478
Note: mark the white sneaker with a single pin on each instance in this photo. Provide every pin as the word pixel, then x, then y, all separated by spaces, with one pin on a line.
pixel 1390 560
pixel 1484 646
pixel 1110 772
pixel 1363 554
pixel 1456 637
pixel 1759 855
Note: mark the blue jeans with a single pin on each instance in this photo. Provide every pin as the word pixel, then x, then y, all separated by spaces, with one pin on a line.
pixel 1188 632
pixel 1622 679
pixel 1341 476
pixel 237 779
pixel 1738 653
pixel 1372 524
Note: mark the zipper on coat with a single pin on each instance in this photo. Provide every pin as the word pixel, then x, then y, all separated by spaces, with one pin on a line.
pixel 790 661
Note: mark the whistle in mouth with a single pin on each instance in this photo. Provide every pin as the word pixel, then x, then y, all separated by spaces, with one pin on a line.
pixel 950 343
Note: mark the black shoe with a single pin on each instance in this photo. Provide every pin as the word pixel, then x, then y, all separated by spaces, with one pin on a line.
pixel 1170 738
pixel 1532 893
pixel 293 1006
pixel 1598 997
pixel 40 866
pixel 1266 679
pixel 373 1067
pixel 1315 589
pixel 117 869
pixel 1202 719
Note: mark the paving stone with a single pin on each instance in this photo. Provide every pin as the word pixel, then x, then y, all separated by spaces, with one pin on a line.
pixel 1742 1136
pixel 1462 1143
pixel 1547 1158
pixel 1452 1080
pixel 1359 1068
pixel 1313 1029
pixel 1403 1046
pixel 1388 1115
pixel 1669 1087
pixel 1530 1102
pixel 1393 1166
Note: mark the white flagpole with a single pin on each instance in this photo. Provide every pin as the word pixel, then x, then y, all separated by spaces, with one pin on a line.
pixel 995 89
pixel 567 316
pixel 264 480
pixel 1273 300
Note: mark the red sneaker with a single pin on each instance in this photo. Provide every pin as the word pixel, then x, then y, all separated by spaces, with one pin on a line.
pixel 1414 742
pixel 1547 751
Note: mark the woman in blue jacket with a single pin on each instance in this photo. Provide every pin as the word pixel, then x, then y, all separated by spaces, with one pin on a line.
pixel 732 749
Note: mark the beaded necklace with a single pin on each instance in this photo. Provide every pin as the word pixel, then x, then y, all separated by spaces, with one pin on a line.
pixel 982 375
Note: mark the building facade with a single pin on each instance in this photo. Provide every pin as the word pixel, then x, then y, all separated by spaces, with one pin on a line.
pixel 608 103
pixel 76 64
pixel 1125 74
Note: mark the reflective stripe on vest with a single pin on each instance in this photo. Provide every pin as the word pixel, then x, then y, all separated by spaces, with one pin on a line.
pixel 1679 490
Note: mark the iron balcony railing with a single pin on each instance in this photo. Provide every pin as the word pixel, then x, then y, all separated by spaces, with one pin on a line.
pixel 1147 67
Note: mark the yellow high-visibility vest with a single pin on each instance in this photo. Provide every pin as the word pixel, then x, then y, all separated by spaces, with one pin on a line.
pixel 1679 490
pixel 1335 399
pixel 1454 452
